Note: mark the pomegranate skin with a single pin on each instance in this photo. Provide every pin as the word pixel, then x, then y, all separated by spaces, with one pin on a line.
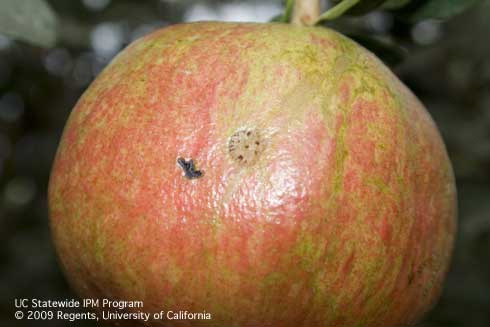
pixel 269 175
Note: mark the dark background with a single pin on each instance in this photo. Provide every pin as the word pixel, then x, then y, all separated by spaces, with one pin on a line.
pixel 447 64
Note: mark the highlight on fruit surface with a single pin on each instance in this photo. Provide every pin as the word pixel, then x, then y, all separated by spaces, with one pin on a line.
pixel 325 196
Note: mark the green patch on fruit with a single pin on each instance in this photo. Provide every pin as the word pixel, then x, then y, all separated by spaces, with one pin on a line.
pixel 99 244
pixel 305 58
pixel 131 281
pixel 173 274
pixel 274 278
pixel 380 185
pixel 308 251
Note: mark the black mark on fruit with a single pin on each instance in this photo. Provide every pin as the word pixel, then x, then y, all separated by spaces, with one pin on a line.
pixel 189 168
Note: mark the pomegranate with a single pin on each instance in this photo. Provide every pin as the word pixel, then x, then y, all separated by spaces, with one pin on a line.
pixel 264 174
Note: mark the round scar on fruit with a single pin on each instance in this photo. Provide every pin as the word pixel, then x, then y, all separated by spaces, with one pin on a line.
pixel 260 174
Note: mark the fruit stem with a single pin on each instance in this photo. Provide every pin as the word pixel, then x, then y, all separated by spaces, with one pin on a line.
pixel 336 11
pixel 306 12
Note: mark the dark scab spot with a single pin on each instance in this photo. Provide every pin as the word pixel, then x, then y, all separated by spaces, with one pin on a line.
pixel 189 168
pixel 257 143
pixel 240 157
pixel 249 133
pixel 246 146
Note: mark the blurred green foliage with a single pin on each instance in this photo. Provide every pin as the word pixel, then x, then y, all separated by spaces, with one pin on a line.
pixel 27 20
pixel 414 10
pixel 440 9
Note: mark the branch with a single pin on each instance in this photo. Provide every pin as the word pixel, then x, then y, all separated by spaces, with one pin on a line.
pixel 306 12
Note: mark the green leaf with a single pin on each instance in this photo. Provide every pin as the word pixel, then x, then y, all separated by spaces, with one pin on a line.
pixel 395 4
pixel 32 21
pixel 389 52
pixel 440 9
pixel 286 16
pixel 338 10
pixel 289 11
pixel 363 7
